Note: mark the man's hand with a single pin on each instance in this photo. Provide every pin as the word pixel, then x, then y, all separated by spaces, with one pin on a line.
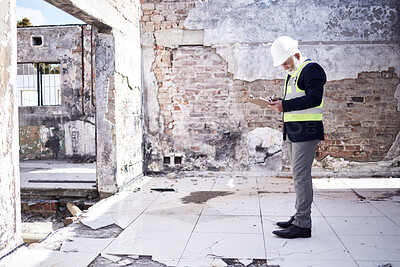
pixel 276 105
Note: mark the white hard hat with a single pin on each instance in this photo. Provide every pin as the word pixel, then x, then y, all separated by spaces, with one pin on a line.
pixel 282 48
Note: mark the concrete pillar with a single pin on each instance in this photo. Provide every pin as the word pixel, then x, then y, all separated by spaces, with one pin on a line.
pixel 105 118
pixel 119 109
pixel 10 205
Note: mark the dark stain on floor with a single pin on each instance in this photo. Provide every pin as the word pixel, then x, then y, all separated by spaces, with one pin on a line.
pixel 200 197
pixel 387 195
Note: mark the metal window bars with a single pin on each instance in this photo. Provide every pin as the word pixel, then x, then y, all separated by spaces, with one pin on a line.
pixel 39 84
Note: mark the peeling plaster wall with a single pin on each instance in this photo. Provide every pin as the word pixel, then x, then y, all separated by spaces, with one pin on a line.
pixel 68 130
pixel 363 31
pixel 192 44
pixel 10 205
pixel 246 20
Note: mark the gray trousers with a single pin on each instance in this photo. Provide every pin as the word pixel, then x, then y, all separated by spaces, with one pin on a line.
pixel 301 155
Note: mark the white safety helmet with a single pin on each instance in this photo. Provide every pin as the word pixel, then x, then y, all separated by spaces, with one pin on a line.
pixel 283 48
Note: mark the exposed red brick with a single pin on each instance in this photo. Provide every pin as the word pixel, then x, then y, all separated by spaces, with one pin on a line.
pixel 54 206
pixel 46 206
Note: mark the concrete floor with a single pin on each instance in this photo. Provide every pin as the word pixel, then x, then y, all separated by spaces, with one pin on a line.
pixel 226 219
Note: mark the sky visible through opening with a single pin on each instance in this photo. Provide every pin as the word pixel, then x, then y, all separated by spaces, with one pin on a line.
pixel 40 13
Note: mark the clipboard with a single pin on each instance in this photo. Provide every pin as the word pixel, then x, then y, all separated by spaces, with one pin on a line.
pixel 262 102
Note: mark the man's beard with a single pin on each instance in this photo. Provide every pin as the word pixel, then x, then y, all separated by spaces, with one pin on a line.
pixel 296 63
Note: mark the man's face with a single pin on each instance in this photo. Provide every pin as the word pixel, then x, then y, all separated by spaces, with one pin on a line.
pixel 289 65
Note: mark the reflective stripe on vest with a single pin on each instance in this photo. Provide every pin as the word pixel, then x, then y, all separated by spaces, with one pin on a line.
pixel 293 91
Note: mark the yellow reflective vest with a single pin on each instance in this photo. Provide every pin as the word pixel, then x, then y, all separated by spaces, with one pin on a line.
pixel 292 90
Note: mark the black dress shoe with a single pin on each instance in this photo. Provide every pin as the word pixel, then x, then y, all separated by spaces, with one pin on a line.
pixel 293 231
pixel 285 224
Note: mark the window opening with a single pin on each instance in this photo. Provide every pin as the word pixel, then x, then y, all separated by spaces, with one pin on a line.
pixel 167 160
pixel 39 84
pixel 37 41
pixel 178 160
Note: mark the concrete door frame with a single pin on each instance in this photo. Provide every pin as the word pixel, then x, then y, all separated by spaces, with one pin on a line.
pixel 117 83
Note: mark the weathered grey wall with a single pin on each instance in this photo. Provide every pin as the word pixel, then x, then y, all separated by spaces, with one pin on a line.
pixel 68 130
pixel 186 85
pixel 10 205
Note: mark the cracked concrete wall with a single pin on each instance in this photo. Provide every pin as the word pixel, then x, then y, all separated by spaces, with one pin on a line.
pixel 348 39
pixel 68 130
pixel 10 204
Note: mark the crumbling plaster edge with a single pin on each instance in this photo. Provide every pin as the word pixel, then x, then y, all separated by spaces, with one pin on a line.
pixel 153 121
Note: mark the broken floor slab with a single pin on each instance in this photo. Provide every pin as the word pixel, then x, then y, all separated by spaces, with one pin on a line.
pixel 226 219
pixel 121 210
pixel 86 245
pixel 40 257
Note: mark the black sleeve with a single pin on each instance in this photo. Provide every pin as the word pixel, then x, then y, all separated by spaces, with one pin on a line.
pixel 312 79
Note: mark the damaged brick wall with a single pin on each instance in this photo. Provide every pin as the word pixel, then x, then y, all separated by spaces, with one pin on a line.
pixel 67 130
pixel 194 109
pixel 197 78
pixel 204 122
pixel 361 116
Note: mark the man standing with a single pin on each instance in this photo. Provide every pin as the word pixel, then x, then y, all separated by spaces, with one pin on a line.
pixel 302 127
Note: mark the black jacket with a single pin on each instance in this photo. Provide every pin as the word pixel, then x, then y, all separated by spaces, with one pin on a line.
pixel 312 79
